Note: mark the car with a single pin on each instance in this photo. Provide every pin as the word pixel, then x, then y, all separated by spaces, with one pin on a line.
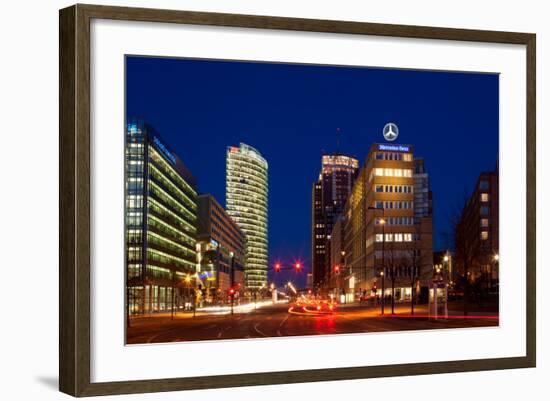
pixel 322 307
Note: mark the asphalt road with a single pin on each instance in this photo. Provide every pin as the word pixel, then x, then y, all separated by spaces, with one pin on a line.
pixel 275 321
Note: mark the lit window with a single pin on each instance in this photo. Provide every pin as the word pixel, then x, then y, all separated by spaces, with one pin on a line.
pixel 379 171
pixel 484 197
pixel 388 172
pixel 407 172
pixel 379 238
pixel 398 172
pixel 398 237
pixel 484 235
pixel 407 237
pixel 484 222
pixel 407 157
pixel 389 237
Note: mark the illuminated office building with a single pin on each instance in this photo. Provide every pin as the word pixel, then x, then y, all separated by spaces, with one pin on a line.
pixel 329 195
pixel 385 233
pixel 220 250
pixel 161 214
pixel 246 204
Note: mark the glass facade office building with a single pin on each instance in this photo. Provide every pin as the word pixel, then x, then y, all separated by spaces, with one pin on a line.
pixel 161 219
pixel 246 204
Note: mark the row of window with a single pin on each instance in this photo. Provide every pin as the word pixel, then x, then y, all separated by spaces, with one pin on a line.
pixel 398 254
pixel 393 172
pixel 398 189
pixel 174 219
pixel 393 156
pixel 163 257
pixel 170 230
pixel 394 221
pixel 394 237
pixel 171 201
pixel 169 170
pixel 173 189
pixel 393 204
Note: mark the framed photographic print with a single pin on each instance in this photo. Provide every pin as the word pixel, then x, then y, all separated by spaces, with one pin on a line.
pixel 250 200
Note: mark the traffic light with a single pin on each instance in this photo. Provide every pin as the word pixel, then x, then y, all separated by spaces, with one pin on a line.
pixel 298 266
pixel 277 267
pixel 337 269
pixel 231 291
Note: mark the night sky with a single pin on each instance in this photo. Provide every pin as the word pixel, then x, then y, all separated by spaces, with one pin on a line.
pixel 291 113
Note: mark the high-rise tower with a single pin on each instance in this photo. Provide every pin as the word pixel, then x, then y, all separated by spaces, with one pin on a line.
pixel 329 195
pixel 246 203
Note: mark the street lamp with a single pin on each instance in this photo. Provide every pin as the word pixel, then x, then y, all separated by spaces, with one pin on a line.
pixel 448 266
pixel 495 261
pixel 383 290
pixel 382 221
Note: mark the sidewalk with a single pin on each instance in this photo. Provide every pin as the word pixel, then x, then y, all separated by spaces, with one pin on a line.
pixel 455 309
pixel 213 310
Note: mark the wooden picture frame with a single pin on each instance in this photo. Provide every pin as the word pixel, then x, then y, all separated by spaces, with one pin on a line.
pixel 74 203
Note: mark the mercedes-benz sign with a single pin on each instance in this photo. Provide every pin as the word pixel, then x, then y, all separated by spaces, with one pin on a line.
pixel 390 132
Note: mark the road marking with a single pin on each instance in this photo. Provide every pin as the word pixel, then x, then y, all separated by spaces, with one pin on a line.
pixel 366 326
pixel 259 331
pixel 222 331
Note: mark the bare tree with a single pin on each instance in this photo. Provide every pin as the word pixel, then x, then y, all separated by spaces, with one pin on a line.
pixel 465 249
pixel 390 266
pixel 415 263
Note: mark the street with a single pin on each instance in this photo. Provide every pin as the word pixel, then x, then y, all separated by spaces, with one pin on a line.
pixel 276 321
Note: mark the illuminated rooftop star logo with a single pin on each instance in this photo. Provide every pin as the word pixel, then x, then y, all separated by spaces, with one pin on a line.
pixel 390 132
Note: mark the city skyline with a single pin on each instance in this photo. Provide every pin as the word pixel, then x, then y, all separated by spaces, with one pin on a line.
pixel 247 122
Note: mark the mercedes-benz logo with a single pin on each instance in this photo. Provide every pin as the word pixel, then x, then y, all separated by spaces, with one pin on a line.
pixel 390 132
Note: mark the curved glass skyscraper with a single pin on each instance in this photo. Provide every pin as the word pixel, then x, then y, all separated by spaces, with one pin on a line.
pixel 246 203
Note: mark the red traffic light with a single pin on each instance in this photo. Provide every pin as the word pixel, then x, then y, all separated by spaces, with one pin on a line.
pixel 277 267
pixel 231 291
pixel 298 266
pixel 337 269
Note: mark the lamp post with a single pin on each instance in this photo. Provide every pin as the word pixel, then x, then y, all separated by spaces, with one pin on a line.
pixel 382 221
pixel 383 290
pixel 495 261
pixel 187 280
pixel 343 267
pixel 448 264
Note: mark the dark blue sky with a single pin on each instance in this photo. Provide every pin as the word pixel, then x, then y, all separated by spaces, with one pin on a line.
pixel 290 113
